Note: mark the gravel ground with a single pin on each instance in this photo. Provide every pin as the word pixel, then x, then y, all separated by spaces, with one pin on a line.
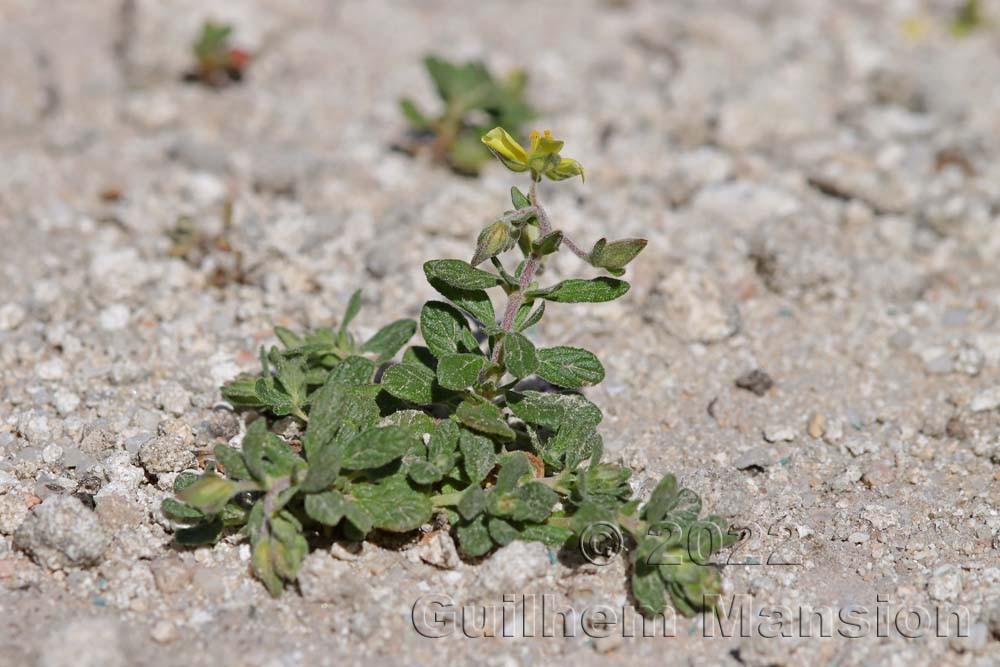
pixel 812 341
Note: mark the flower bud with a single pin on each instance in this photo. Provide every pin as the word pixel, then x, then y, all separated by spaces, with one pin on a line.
pixel 496 238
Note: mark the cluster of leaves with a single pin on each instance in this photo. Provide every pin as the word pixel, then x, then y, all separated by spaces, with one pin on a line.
pixel 472 102
pixel 478 425
pixel 968 18
pixel 217 62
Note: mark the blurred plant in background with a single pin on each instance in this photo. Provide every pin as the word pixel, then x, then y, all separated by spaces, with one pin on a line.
pixel 217 63
pixel 968 18
pixel 473 102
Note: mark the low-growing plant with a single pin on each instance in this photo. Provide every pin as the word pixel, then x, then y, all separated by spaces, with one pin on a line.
pixel 479 425
pixel 968 17
pixel 217 62
pixel 473 101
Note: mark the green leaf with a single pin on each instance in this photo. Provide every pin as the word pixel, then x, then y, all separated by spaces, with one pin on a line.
pixel 262 561
pixel 519 355
pixel 573 443
pixel 209 494
pixel 532 501
pixel 442 445
pixel 460 274
pixel 232 461
pixel 376 447
pixel 423 472
pixel 393 504
pixel 359 517
pixel 587 514
pixel 178 511
pixel 501 531
pixel 339 411
pixel 523 320
pixel 478 455
pixel 288 337
pixel 475 302
pixel 472 503
pixel 615 255
pixel 548 244
pixel 604 484
pixel 353 308
pixel 552 410
pixel 445 329
pixel 554 536
pixel 184 480
pixel 412 114
pixel 486 417
pixel 203 533
pixel 253 449
pixel 649 591
pixel 414 422
pixel 289 546
pixel 421 356
pixel 410 382
pixel 514 467
pixel 518 199
pixel 279 458
pixel 669 503
pixel 242 392
pixel 328 508
pixel 577 290
pixel 474 538
pixel 290 375
pixel 460 370
pixel 569 367
pixel 324 466
pixel 353 371
pixel 388 340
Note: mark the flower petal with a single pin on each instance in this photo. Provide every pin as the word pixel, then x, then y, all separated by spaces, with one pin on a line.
pixel 545 146
pixel 505 147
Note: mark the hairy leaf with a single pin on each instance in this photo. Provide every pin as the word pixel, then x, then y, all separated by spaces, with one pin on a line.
pixel 519 355
pixel 376 447
pixel 388 340
pixel 553 410
pixel 569 367
pixel 445 329
pixel 460 370
pixel 393 504
pixel 578 290
pixel 485 417
pixel 459 273
pixel 410 382
pixel 478 455
pixel 327 508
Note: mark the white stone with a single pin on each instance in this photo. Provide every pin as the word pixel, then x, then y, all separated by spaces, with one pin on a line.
pixel 775 433
pixel 988 399
pixel 65 401
pixel 115 317
pixel 52 453
pixel 53 369
pixel 11 316
pixel 945 583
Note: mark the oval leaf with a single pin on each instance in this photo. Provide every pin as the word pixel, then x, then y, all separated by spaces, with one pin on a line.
pixel 569 367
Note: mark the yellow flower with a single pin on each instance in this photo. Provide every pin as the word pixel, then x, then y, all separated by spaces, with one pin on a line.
pixel 541 158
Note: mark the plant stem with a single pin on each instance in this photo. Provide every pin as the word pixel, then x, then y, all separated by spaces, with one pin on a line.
pixel 515 298
pixel 582 254
pixel 279 485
